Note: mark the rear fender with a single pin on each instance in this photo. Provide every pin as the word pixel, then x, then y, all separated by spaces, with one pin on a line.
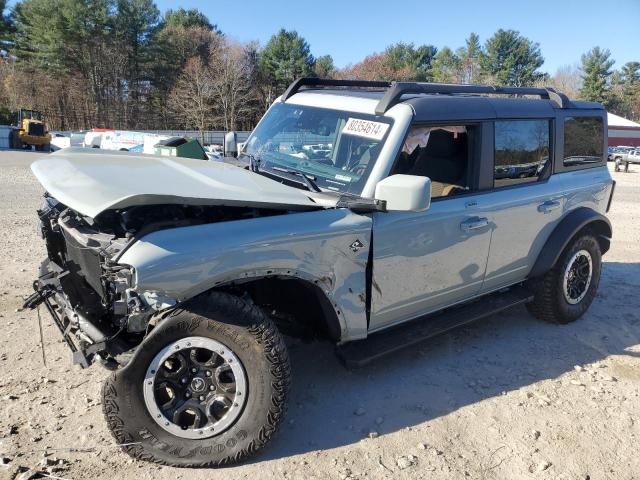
pixel 574 222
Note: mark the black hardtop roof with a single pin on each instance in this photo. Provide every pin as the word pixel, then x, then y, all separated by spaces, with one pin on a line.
pixel 442 102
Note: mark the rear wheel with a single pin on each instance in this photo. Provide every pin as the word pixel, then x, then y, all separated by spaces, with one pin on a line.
pixel 564 293
pixel 207 387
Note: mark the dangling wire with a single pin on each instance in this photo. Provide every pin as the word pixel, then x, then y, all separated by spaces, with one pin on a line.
pixel 44 357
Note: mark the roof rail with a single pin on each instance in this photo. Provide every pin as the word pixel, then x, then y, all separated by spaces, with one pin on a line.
pixel 395 90
pixel 327 82
pixel 394 93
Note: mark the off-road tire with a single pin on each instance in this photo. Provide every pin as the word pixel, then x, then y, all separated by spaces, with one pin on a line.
pixel 253 338
pixel 549 302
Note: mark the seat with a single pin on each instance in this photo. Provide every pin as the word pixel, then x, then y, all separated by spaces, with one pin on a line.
pixel 439 189
pixel 443 160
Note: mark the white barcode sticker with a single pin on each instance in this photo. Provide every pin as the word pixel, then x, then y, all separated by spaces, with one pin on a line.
pixel 365 128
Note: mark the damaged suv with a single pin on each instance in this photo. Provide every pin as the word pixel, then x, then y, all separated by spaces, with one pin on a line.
pixel 371 214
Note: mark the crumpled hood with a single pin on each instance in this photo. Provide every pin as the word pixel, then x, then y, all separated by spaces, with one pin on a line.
pixel 91 182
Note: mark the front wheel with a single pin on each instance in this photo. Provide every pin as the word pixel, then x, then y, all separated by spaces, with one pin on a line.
pixel 566 291
pixel 14 140
pixel 207 387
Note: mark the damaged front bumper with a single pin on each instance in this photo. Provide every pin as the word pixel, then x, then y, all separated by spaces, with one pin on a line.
pixel 111 340
pixel 84 338
pixel 88 295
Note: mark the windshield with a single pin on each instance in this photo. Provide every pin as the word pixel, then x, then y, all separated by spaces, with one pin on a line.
pixel 336 149
pixel 31 114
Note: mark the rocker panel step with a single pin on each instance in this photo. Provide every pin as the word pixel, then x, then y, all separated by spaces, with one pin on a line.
pixel 359 353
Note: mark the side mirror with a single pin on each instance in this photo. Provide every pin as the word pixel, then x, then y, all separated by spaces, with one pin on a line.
pixel 230 144
pixel 407 193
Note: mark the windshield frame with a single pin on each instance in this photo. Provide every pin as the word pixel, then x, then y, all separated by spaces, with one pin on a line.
pixel 352 187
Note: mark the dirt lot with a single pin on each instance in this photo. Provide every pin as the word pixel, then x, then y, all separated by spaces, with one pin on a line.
pixel 509 398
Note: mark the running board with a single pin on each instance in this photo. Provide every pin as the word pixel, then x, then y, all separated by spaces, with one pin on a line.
pixel 359 353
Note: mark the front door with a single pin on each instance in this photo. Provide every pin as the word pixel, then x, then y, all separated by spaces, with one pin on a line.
pixel 423 261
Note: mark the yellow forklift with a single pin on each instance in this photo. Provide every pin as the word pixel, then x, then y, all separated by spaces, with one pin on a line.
pixel 29 131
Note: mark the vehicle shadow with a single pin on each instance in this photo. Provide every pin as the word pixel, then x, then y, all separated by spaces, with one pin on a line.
pixel 506 352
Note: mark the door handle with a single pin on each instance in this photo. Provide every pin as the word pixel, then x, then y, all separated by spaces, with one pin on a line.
pixel 474 223
pixel 548 206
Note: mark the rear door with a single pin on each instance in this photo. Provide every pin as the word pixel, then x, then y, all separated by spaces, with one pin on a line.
pixel 526 201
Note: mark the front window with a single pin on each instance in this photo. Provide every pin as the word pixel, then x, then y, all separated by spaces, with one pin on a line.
pixel 335 149
pixel 441 153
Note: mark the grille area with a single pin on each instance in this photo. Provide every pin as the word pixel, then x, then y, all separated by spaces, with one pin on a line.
pixel 84 262
pixel 36 129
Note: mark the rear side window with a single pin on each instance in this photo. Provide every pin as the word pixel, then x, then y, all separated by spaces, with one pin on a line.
pixel 521 151
pixel 583 140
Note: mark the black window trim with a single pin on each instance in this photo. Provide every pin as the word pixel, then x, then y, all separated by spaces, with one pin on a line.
pixel 559 166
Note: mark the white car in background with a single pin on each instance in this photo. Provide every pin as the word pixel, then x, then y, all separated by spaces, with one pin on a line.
pixel 123 140
pixel 60 141
pixel 93 138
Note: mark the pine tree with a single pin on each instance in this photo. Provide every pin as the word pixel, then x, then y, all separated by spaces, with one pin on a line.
pixel 469 56
pixel 324 67
pixel 402 57
pixel 596 68
pixel 5 28
pixel 630 95
pixel 631 73
pixel 446 67
pixel 187 19
pixel 511 59
pixel 286 56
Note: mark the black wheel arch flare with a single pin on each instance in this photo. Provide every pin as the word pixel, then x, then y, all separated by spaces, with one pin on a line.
pixel 573 223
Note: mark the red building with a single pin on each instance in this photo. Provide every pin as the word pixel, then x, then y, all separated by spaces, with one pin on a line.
pixel 623 132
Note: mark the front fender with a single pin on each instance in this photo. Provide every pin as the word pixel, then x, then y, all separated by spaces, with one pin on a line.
pixel 318 246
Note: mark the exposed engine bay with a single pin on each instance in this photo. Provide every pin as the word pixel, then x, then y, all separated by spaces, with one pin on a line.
pixel 91 297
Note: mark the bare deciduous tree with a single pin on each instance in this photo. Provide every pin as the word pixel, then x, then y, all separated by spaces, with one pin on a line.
pixel 231 74
pixel 567 80
pixel 192 96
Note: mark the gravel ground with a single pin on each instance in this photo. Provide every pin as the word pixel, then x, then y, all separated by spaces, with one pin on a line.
pixel 508 398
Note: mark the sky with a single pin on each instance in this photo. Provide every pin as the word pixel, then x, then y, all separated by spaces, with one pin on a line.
pixel 349 30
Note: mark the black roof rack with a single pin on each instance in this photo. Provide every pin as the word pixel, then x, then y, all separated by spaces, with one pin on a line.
pixel 327 82
pixel 395 90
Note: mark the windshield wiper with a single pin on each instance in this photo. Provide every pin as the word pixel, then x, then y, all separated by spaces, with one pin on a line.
pixel 308 180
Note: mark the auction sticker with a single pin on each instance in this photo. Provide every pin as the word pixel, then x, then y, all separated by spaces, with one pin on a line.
pixel 365 128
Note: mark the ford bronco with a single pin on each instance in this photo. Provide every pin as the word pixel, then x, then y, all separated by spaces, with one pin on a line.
pixel 371 214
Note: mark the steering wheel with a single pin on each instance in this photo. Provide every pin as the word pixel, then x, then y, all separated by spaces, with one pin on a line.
pixel 358 169
pixel 323 160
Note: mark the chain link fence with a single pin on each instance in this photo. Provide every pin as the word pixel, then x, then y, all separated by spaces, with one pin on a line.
pixel 210 136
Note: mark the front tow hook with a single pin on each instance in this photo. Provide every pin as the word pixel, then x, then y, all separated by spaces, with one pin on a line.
pixel 39 296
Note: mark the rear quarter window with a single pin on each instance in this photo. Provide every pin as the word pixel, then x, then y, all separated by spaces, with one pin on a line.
pixel 583 141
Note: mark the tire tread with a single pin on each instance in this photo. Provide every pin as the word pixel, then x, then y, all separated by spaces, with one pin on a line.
pixel 546 305
pixel 265 333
